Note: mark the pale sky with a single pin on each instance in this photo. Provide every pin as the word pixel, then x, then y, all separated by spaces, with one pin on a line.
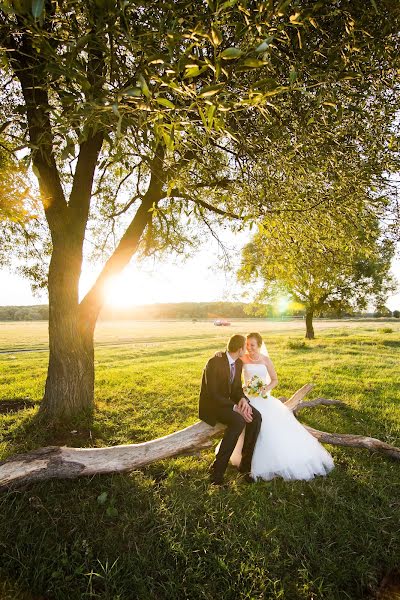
pixel 200 279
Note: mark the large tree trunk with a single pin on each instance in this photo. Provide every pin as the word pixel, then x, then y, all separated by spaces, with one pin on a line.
pixel 69 387
pixel 309 324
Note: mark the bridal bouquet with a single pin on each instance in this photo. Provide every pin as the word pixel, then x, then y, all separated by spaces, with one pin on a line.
pixel 254 387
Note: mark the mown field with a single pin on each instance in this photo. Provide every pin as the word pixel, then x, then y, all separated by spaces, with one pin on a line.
pixel 163 532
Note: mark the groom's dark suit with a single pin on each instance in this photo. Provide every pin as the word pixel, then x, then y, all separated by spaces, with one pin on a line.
pixel 218 396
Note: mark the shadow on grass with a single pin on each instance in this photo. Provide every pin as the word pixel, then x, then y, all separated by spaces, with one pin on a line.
pixel 348 420
pixel 164 533
pixel 391 343
pixel 28 429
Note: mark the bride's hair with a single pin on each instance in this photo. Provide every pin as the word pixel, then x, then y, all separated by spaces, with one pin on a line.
pixel 257 337
pixel 260 343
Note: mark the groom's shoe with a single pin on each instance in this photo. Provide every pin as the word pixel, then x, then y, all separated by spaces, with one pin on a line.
pixel 217 480
pixel 247 478
pixel 215 477
pixel 243 469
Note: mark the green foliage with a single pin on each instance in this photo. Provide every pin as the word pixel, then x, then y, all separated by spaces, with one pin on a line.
pixel 322 267
pixel 18 206
pixel 174 536
pixel 219 86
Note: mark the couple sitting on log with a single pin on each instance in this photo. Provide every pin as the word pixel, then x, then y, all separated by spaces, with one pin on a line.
pixel 262 438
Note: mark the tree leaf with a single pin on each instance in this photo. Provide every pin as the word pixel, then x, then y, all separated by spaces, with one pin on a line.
pixel 210 115
pixel 253 62
pixel 231 53
pixel 216 36
pixel 295 19
pixel 165 102
pixel 37 8
pixel 194 71
pixel 264 45
pixel 143 85
pixel 227 4
pixel 134 91
pixel 210 90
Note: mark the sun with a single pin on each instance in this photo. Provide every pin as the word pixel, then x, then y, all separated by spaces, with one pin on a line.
pixel 283 304
pixel 129 288
pixel 117 292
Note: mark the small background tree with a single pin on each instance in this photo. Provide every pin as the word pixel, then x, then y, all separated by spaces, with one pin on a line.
pixel 323 268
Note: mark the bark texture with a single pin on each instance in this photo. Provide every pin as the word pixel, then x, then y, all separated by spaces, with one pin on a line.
pixel 309 325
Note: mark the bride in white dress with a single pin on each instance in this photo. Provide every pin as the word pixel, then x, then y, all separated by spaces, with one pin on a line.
pixel 284 448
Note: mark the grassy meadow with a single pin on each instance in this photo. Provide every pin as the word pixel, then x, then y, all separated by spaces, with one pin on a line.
pixel 162 532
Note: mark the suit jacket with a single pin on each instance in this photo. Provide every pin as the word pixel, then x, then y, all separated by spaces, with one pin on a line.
pixel 216 389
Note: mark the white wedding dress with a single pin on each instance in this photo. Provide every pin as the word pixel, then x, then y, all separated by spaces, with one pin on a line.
pixel 284 448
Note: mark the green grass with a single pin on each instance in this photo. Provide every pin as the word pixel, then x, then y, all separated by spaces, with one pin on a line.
pixel 163 533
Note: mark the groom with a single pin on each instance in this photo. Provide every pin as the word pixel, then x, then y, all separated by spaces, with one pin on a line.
pixel 222 400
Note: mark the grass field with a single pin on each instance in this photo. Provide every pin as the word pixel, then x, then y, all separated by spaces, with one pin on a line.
pixel 163 533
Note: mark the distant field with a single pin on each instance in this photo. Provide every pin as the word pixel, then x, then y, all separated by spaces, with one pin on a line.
pixel 162 533
pixel 27 335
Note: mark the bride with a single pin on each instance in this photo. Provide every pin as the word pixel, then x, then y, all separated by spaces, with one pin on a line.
pixel 284 448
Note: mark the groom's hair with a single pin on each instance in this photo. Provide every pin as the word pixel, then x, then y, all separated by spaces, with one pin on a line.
pixel 236 342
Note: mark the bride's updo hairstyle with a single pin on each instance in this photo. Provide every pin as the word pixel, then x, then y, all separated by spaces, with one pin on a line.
pixel 256 336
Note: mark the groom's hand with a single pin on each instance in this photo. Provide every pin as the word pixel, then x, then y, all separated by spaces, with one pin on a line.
pixel 244 408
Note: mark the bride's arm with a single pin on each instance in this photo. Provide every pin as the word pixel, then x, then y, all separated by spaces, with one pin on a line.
pixel 272 373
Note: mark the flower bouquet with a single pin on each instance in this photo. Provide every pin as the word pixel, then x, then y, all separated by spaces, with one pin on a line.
pixel 254 387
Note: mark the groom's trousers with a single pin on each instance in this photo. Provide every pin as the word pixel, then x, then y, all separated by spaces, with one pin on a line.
pixel 235 424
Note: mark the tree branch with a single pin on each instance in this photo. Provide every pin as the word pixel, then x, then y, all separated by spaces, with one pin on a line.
pixel 93 301
pixel 219 211
pixel 27 66
pixel 79 202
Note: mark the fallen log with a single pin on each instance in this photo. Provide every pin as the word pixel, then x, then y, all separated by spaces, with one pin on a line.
pixel 298 396
pixel 355 441
pixel 317 402
pixel 55 462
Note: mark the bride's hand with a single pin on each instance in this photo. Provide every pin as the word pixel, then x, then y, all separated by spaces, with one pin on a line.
pixel 264 389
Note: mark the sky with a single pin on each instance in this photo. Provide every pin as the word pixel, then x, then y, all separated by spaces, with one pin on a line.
pixel 201 278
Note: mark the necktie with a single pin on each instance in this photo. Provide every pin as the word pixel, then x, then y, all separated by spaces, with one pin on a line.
pixel 232 372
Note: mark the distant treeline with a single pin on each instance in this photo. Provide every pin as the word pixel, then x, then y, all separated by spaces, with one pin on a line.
pixel 24 313
pixel 180 310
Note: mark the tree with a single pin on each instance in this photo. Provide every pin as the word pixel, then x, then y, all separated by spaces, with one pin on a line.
pixel 143 118
pixel 320 267
pixel 16 204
